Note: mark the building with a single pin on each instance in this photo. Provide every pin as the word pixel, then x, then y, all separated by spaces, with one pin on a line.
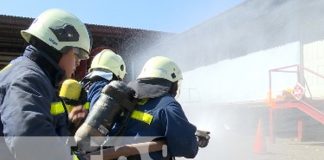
pixel 124 41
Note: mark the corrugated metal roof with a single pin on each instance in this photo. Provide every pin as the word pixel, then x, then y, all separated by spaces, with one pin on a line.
pixel 11 42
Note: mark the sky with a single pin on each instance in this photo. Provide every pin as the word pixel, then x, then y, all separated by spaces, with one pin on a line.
pixel 174 16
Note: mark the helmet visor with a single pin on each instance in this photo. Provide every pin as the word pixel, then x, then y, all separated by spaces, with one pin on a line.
pixel 81 54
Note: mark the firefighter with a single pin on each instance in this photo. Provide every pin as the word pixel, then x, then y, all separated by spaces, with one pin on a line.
pixel 29 85
pixel 105 67
pixel 157 113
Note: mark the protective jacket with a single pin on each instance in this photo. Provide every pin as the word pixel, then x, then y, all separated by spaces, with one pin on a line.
pixel 94 82
pixel 162 117
pixel 28 87
pixel 95 90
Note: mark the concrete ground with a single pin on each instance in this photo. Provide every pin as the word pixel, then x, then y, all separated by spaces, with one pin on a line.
pixel 287 149
pixel 236 147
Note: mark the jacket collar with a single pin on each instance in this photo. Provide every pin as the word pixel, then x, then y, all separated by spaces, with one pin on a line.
pixel 150 88
pixel 48 65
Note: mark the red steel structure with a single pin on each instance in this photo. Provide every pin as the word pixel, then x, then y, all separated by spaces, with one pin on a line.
pixel 307 105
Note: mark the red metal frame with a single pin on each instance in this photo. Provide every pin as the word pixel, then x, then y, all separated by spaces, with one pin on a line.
pixel 301 105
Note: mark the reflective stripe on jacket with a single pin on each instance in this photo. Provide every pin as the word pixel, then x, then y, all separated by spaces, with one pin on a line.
pixel 58 108
pixel 163 117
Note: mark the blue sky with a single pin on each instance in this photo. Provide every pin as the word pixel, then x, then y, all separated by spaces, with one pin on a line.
pixel 163 15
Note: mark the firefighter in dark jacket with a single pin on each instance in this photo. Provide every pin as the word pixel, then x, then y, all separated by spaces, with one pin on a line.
pixel 28 87
pixel 105 67
pixel 158 114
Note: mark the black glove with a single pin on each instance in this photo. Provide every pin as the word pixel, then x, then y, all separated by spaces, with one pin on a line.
pixel 202 138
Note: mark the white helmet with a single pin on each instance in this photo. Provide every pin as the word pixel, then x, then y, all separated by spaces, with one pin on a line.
pixel 109 60
pixel 60 29
pixel 161 67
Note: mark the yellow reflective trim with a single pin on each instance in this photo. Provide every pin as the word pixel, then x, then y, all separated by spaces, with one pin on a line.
pixel 142 116
pixel 69 108
pixel 57 108
pixel 142 101
pixel 75 157
pixel 86 106
pixel 6 67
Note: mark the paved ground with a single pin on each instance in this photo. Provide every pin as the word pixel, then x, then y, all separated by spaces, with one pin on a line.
pixel 235 147
pixel 285 149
